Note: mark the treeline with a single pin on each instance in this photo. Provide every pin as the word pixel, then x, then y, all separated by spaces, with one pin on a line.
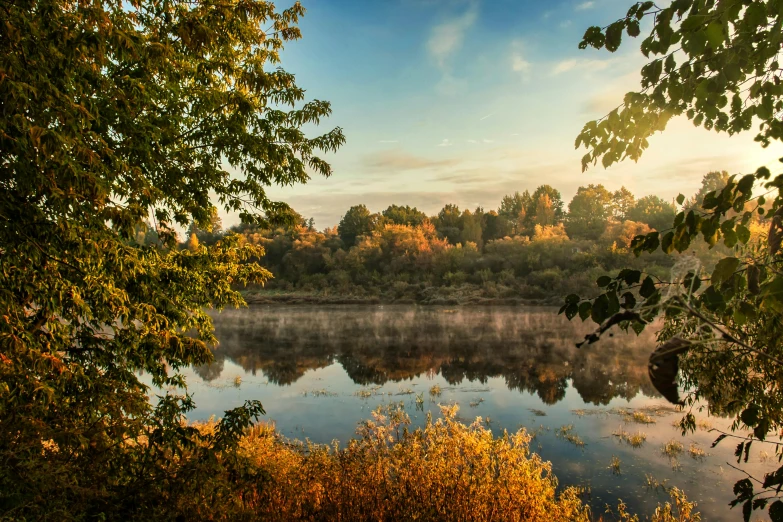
pixel 532 247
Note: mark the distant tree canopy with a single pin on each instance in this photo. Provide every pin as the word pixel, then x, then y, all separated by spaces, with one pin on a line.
pixel 718 64
pixel 589 212
pixel 116 114
pixel 653 211
pixel 357 222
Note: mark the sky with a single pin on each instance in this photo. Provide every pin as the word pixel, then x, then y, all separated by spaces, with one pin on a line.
pixel 464 101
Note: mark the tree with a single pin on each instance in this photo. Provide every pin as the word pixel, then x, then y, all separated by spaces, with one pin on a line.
pixel 357 222
pixel 514 210
pixel 494 226
pixel 717 63
pixel 471 227
pixel 711 182
pixel 193 242
pixel 114 113
pixel 449 223
pixel 588 212
pixel 622 203
pixel 406 215
pixel 654 212
pixel 210 232
pixel 551 212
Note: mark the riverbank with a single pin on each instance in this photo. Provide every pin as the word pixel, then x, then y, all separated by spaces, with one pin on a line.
pixel 441 297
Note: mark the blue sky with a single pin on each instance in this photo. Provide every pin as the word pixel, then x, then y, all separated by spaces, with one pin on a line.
pixel 463 101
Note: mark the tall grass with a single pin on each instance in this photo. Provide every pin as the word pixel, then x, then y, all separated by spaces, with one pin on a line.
pixel 443 471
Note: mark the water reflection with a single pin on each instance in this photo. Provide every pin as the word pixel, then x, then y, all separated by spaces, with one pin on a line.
pixel 319 371
pixel 531 349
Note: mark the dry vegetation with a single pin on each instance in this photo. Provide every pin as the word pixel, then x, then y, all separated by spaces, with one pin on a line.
pixel 444 471
pixel 636 440
pixel 568 433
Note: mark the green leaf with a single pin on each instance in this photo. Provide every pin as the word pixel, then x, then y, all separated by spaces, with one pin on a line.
pixel 772 295
pixel 743 234
pixel 724 269
pixel 680 199
pixel 600 311
pixel 667 242
pixel 630 276
pixel 629 301
pixel 603 281
pixel 585 309
pixel 648 287
pixel 614 35
pixel 776 511
pixel 713 299
pixel 714 32
pixel 750 416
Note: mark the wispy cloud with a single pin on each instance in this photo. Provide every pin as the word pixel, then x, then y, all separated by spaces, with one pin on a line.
pixel 584 6
pixel 518 62
pixel 485 140
pixel 445 143
pixel 487 116
pixel 398 160
pixel 388 141
pixel 565 23
pixel 564 66
pixel 587 65
pixel 446 37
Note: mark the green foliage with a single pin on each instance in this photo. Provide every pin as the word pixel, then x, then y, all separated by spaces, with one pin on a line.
pixel 653 211
pixel 115 113
pixel 357 222
pixel 717 63
pixel 588 212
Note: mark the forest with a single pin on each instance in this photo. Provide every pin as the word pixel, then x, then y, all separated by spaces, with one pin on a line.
pixel 533 248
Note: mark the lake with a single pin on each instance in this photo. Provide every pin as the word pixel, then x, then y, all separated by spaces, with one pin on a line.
pixel 320 370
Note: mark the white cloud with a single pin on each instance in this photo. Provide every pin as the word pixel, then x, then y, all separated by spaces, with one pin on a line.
pixel 585 5
pixel 565 23
pixel 485 140
pixel 446 38
pixel 564 66
pixel 445 143
pixel 472 141
pixel 487 116
pixel 585 65
pixel 388 141
pixel 518 62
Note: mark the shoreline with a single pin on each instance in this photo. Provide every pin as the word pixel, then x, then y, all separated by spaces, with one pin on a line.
pixel 293 299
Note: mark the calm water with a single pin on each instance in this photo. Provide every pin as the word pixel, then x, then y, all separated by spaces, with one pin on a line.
pixel 321 370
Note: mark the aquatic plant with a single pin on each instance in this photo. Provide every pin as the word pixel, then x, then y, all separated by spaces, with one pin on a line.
pixel 567 433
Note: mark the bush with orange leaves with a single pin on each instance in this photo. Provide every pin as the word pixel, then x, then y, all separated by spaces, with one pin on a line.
pixel 443 471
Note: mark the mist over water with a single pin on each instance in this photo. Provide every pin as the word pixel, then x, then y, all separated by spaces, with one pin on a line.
pixel 319 371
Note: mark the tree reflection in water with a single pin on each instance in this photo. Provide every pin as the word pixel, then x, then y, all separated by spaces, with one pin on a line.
pixel 532 348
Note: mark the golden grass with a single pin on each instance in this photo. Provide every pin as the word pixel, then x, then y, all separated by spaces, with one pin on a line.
pixel 672 449
pixel 567 433
pixel 696 452
pixel 435 391
pixel 444 471
pixel 614 465
pixel 636 440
